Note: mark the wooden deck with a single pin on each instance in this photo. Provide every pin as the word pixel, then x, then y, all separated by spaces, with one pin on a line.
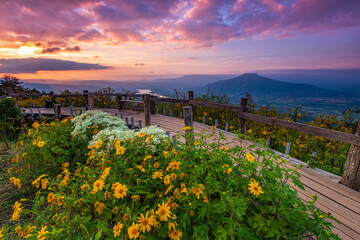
pixel 342 202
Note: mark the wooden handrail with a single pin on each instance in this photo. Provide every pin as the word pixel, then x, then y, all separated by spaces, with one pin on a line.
pixel 174 100
pixel 321 132
pixel 217 105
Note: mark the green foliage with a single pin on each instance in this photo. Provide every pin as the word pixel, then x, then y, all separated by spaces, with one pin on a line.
pixel 185 192
pixel 10 114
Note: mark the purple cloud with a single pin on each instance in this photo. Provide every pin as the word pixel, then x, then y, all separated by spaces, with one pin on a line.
pixel 198 23
pixel 32 65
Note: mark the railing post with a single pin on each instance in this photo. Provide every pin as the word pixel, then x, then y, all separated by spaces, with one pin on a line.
pixel 243 104
pixel 188 120
pixel 57 111
pixel 351 176
pixel 89 100
pixel 9 91
pixel 153 104
pixel 86 93
pixel 52 97
pixel 120 103
pixel 147 110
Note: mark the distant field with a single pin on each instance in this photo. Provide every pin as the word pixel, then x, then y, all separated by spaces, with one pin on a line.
pixel 312 105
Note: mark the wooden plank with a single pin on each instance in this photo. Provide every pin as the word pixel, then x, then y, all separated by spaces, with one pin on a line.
pixel 131 101
pixel 325 181
pixel 326 133
pixel 68 95
pixel 346 216
pixel 217 105
pixel 174 100
pixel 344 231
pixel 28 94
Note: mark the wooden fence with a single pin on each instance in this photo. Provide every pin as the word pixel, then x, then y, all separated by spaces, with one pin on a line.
pixel 149 107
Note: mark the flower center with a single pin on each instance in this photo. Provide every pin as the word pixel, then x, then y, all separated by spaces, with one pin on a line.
pixel 256 188
pixel 145 222
pixel 134 231
pixel 121 191
pixel 162 212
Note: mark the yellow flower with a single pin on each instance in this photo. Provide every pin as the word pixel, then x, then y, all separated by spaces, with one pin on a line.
pixel 173 176
pixel 44 183
pixel 167 180
pixel 117 229
pixel 98 185
pixel 192 213
pixel 213 127
pixel 50 198
pixel 197 142
pixel 224 148
pixel 133 230
pixel 34 142
pixel 187 128
pixel 84 186
pixel 59 200
pixel 120 191
pixel 250 157
pixel 42 233
pixel 250 131
pixel 255 188
pixel 157 174
pixel 174 165
pixel 264 132
pixel 119 150
pixel 99 207
pixel 142 134
pixel 228 171
pixel 148 157
pixel 136 198
pixel 141 168
pixel 17 211
pixel 163 212
pixel 16 182
pixel 166 153
pixel 40 144
pixel 98 144
pixel 197 191
pixel 105 173
pixel 206 200
pixel 107 195
pixel 175 235
pixel 156 165
pixel 146 222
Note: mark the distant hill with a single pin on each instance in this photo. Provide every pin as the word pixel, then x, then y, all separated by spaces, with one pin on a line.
pixel 259 85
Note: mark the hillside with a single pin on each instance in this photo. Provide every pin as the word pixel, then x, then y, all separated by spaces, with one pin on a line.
pixel 256 84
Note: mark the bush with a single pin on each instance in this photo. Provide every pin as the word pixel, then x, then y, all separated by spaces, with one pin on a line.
pixel 9 114
pixel 128 190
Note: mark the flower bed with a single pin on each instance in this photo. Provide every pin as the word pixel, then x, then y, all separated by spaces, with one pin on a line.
pixel 139 186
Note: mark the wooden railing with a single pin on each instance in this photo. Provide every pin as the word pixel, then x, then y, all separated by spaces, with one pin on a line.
pixel 124 102
pixel 149 106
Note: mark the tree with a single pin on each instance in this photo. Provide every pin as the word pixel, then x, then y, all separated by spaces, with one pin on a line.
pixel 13 82
pixel 351 176
pixel 9 113
pixel 9 81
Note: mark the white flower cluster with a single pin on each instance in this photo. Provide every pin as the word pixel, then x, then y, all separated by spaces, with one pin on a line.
pixel 115 129
pixel 96 118
pixel 109 135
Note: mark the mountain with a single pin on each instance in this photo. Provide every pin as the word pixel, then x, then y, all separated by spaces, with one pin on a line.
pixel 259 85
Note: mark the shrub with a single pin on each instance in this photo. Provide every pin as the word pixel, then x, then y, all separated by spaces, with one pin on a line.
pixel 177 192
pixel 9 114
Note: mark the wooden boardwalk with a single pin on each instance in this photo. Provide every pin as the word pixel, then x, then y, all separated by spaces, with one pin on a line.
pixel 342 202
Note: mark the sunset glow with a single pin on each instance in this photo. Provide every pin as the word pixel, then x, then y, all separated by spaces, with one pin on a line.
pixel 149 39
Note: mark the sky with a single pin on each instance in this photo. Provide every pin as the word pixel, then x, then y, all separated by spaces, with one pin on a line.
pixel 148 39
